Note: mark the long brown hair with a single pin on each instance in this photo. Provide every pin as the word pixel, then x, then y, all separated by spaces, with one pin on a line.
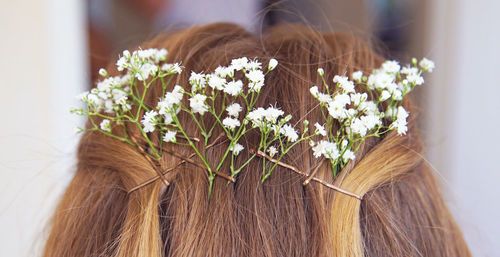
pixel 402 212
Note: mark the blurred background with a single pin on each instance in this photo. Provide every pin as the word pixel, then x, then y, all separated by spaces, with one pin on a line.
pixel 51 50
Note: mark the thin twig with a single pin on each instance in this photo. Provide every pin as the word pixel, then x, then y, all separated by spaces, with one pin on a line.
pixel 262 154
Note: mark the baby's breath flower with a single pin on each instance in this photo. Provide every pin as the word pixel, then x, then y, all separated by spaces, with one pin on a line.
pixel 348 155
pixel 234 88
pixel 253 65
pixel 426 64
pixel 400 123
pixel 223 72
pixel 170 136
pixel 358 127
pixel 197 81
pixel 357 76
pixel 391 66
pixel 272 64
pixel 103 72
pixel 236 149
pixel 320 129
pixel 231 123
pixel 234 110
pixel 240 63
pixel 172 67
pixel 385 95
pixel 272 151
pixel 344 83
pixel 216 82
pixel 197 104
pixel 149 121
pixel 145 70
pixel 255 76
pixel 357 98
pixel 408 70
pixel 290 132
pixel 105 125
pixel 327 149
pixel 415 79
pixel 314 91
pixel 321 72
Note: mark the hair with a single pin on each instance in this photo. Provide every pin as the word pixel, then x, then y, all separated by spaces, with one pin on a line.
pixel 402 212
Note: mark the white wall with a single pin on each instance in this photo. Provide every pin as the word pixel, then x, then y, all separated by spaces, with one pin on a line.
pixel 41 65
pixel 464 114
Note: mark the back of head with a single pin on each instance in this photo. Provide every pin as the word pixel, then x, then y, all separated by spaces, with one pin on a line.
pixel 402 212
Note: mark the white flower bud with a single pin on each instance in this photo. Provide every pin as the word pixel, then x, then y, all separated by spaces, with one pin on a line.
pixel 126 54
pixel 321 72
pixel 272 64
pixel 103 72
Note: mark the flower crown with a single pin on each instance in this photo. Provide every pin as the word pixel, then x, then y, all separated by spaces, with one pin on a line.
pixel 355 115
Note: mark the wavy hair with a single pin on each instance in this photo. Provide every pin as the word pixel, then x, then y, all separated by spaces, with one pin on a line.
pixel 402 212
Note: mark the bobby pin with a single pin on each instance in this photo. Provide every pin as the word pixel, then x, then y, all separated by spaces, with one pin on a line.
pixel 290 167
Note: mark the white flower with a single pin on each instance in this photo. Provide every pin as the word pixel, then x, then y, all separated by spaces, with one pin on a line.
pixel 357 76
pixel 223 72
pixel 122 63
pixel 197 104
pixel 426 64
pixel 314 91
pixel 166 105
pixel 106 125
pixel 253 65
pixel 324 98
pixel 236 149
pixel 172 67
pixel 231 123
pixel 344 83
pixel 380 80
pixel 216 82
pixel 240 63
pixel 255 86
pixel 385 95
pixel 400 123
pixel 170 136
pixel 255 76
pixel 345 142
pixel 272 151
pixel 145 70
pixel 327 149
pixel 358 127
pixel 290 133
pixel 415 79
pixel 358 98
pixel 197 79
pixel 348 155
pixel 409 70
pixel 368 107
pixel 234 88
pixel 391 66
pixel 272 114
pixel 320 128
pixel 103 72
pixel 234 110
pixel 321 72
pixel 272 64
pixel 149 121
pixel 370 121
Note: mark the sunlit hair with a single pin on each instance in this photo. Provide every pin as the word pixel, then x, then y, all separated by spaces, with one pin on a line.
pixel 402 212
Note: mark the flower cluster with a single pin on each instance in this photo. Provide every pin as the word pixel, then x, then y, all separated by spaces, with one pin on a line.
pixel 119 100
pixel 356 105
